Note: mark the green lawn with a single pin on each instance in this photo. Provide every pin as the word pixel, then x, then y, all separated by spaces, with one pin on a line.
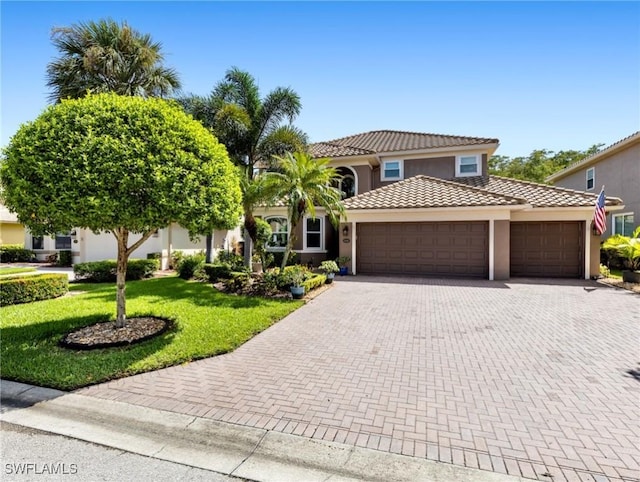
pixel 206 323
pixel 6 271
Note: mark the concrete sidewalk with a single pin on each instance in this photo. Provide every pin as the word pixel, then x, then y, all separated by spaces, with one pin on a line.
pixel 235 450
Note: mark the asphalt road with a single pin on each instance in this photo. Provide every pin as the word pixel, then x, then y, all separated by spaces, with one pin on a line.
pixel 32 455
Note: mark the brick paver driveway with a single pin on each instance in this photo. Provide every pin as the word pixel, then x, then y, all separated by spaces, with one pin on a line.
pixel 526 377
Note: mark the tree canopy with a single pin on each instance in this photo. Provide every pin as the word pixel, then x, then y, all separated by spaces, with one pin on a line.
pixel 538 165
pixel 105 56
pixel 119 164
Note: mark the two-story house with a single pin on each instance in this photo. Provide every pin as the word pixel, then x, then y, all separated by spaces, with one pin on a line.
pixel 617 168
pixel 424 204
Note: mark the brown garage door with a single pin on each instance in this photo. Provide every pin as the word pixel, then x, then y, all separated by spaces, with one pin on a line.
pixel 547 249
pixel 430 249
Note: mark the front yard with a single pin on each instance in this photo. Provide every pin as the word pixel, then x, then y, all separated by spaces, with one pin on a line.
pixel 206 323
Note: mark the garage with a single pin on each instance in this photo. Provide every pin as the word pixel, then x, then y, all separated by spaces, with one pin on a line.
pixel 550 249
pixel 448 249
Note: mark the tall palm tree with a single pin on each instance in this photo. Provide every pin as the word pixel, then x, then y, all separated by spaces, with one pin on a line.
pixel 252 128
pixel 105 56
pixel 304 184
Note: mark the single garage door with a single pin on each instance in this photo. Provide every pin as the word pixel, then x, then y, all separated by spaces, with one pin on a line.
pixel 429 249
pixel 553 249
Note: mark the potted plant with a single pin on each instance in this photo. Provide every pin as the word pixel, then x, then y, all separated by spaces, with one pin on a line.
pixel 330 268
pixel 342 262
pixel 296 275
pixel 628 248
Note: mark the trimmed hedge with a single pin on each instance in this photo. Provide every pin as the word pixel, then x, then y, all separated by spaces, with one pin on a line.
pixel 315 282
pixel 217 272
pixel 189 265
pixel 15 253
pixel 105 271
pixel 65 258
pixel 25 289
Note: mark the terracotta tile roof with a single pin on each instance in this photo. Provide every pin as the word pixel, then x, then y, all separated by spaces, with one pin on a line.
pixel 538 195
pixel 391 141
pixel 616 146
pixel 427 192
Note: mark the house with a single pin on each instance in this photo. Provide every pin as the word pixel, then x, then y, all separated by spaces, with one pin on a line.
pixel 617 168
pixel 86 245
pixel 11 231
pixel 424 204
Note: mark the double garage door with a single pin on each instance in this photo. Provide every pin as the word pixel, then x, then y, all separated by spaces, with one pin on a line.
pixel 429 249
pixel 461 249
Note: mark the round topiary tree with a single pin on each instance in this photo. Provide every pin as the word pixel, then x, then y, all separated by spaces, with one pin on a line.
pixel 122 165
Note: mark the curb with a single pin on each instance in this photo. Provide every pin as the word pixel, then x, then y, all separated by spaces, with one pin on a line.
pixel 230 449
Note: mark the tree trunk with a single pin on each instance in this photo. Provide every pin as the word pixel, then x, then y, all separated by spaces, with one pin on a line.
pixel 250 235
pixel 290 242
pixel 208 249
pixel 248 249
pixel 121 276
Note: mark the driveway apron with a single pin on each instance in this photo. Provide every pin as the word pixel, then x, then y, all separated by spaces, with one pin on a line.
pixel 532 378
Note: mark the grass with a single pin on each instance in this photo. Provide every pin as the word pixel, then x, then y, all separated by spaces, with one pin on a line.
pixel 207 323
pixel 7 271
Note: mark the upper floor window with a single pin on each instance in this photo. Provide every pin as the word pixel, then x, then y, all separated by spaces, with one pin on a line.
pixel 391 170
pixel 591 178
pixel 348 186
pixel 623 224
pixel 313 234
pixel 468 165
pixel 279 233
pixel 63 240
pixel 37 242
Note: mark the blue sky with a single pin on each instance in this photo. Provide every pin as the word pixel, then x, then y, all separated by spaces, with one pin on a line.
pixel 535 75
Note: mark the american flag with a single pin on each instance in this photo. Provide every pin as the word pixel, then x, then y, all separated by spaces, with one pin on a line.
pixel 600 216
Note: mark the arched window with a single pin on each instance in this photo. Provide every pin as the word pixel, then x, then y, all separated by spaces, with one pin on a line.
pixel 348 182
pixel 280 233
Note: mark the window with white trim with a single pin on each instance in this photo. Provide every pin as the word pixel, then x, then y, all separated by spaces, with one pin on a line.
pixel 37 242
pixel 63 240
pixel 279 233
pixel 591 178
pixel 623 224
pixel 391 170
pixel 468 165
pixel 313 234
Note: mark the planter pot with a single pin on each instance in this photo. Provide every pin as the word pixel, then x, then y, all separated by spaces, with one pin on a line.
pixel 297 292
pixel 631 276
pixel 344 270
pixel 330 277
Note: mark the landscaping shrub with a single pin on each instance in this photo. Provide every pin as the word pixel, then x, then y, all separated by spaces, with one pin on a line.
pixel 65 258
pixel 234 261
pixel 15 253
pixel 215 272
pixel 278 255
pixel 25 289
pixel 105 271
pixel 190 265
pixel 314 282
pixel 154 255
pixel 238 281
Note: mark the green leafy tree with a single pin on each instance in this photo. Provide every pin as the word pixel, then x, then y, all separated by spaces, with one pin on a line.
pixel 105 56
pixel 538 165
pixel 122 165
pixel 304 184
pixel 253 129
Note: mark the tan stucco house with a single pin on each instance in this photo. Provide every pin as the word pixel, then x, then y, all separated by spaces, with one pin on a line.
pixel 617 168
pixel 424 204
pixel 11 231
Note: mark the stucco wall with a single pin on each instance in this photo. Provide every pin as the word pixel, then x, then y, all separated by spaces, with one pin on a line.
pixel 501 236
pixel 364 175
pixel 11 233
pixel 620 175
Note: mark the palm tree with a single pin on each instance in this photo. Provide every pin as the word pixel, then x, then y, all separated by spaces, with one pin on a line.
pixel 304 183
pixel 252 128
pixel 105 56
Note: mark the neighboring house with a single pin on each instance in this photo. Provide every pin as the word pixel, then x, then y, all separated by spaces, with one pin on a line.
pixel 617 168
pixel 424 204
pixel 11 231
pixel 85 245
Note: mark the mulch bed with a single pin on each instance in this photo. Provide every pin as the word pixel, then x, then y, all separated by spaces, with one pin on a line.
pixel 618 283
pixel 106 335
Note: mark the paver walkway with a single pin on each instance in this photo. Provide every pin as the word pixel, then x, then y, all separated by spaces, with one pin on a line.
pixel 525 378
